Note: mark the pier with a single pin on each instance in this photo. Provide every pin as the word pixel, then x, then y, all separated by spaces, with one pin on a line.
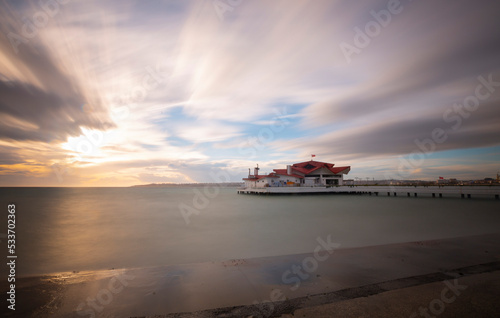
pixel 408 191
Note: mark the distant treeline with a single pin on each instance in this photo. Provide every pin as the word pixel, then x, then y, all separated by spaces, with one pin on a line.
pixel 186 185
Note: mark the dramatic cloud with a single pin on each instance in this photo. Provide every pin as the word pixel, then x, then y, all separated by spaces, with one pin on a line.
pixel 127 92
pixel 403 136
pixel 29 113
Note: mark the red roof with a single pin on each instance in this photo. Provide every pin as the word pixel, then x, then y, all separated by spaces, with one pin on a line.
pixel 340 169
pixel 284 173
pixel 307 167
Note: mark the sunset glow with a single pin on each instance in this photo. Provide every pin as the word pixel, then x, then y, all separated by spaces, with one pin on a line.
pixel 119 93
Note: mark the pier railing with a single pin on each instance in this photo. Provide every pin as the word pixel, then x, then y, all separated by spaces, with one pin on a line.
pixel 389 190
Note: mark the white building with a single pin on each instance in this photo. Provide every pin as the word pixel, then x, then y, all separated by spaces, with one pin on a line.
pixel 304 174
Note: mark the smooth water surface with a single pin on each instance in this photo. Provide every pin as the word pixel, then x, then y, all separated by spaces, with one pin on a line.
pixel 75 229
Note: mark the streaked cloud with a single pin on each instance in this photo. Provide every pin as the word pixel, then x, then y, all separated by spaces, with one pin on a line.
pixel 127 92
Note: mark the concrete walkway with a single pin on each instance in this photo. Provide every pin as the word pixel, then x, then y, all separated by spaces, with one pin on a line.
pixel 476 296
pixel 304 284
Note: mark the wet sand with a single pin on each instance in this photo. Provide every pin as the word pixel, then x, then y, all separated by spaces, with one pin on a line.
pixel 270 286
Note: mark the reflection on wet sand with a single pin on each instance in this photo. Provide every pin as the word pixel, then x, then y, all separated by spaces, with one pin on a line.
pixel 253 282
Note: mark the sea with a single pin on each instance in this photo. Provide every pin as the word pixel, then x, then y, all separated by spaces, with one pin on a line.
pixel 81 229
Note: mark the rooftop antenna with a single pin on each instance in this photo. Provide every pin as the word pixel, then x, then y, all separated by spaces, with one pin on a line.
pixel 256 170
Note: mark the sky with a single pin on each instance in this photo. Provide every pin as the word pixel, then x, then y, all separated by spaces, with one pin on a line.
pixel 119 93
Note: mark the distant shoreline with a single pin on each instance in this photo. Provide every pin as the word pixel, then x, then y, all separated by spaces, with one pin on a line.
pixel 185 185
pixel 240 184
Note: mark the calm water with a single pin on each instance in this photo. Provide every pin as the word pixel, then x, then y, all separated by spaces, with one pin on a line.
pixel 74 229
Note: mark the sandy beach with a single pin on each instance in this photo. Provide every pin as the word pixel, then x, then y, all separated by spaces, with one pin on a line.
pixel 356 280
